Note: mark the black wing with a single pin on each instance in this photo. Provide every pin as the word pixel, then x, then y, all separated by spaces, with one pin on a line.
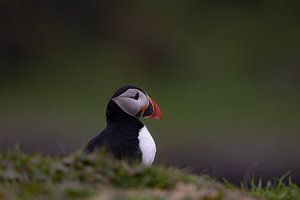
pixel 95 142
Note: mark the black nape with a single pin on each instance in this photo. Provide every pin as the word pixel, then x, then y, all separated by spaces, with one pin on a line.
pixel 114 114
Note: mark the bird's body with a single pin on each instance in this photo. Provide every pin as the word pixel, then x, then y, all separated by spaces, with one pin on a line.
pixel 147 146
pixel 125 136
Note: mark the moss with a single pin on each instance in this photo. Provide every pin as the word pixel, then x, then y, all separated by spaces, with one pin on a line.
pixel 29 176
pixel 77 176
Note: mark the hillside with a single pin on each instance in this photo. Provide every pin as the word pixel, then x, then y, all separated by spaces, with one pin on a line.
pixel 30 177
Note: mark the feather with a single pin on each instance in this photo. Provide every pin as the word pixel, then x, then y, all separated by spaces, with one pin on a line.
pixel 95 142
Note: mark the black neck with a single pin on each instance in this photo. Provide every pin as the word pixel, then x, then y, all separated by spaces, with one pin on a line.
pixel 114 114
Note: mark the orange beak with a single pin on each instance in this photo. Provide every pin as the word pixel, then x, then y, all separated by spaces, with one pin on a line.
pixel 153 110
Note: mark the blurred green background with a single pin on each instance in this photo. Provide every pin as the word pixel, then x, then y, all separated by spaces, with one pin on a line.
pixel 225 74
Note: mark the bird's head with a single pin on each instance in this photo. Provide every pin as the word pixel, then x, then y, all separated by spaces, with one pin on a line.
pixel 135 102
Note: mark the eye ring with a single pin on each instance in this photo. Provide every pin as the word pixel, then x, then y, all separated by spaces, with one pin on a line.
pixel 136 96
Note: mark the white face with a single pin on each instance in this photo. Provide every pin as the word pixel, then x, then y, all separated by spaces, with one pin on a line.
pixel 132 101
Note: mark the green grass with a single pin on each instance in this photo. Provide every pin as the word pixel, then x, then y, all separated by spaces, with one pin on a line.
pixel 282 188
pixel 76 176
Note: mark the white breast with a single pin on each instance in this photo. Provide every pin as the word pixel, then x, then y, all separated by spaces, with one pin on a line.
pixel 147 146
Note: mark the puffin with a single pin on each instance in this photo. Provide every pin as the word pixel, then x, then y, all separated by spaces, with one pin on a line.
pixel 125 136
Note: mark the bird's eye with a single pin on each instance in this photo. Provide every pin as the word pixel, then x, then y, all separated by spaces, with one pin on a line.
pixel 136 96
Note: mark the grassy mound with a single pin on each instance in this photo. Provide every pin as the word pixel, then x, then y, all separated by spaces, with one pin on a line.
pixel 96 177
